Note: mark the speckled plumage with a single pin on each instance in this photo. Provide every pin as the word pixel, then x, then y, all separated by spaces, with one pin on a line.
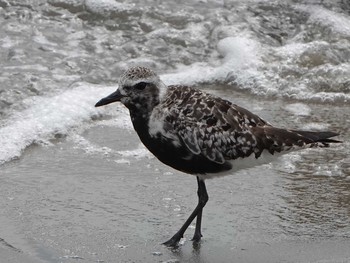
pixel 218 129
pixel 136 74
pixel 207 125
pixel 202 134
pixel 202 130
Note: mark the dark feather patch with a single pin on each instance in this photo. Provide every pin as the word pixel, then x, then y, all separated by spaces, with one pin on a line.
pixel 220 130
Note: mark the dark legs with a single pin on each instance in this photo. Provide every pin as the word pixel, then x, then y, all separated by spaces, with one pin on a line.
pixel 202 199
pixel 197 212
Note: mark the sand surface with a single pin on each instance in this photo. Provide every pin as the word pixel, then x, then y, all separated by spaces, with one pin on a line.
pixel 69 203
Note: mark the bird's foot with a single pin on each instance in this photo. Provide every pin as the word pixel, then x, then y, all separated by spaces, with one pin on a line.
pixel 173 242
pixel 196 237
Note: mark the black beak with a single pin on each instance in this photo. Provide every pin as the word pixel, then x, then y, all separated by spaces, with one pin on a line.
pixel 115 96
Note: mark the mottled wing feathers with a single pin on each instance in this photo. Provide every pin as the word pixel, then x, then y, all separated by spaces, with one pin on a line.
pixel 211 126
pixel 276 140
pixel 221 131
pixel 188 136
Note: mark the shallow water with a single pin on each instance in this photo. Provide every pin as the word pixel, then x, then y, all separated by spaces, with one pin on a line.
pixel 57 54
pixel 99 195
pixel 76 185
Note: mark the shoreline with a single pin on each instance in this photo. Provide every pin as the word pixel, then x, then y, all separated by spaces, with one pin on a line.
pixel 88 211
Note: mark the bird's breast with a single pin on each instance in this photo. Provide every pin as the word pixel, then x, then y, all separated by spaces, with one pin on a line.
pixel 171 151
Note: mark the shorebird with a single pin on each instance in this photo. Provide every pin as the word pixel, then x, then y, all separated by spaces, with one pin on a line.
pixel 202 134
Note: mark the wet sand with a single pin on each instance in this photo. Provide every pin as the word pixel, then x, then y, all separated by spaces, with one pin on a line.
pixel 98 196
pixel 325 252
pixel 332 251
pixel 80 208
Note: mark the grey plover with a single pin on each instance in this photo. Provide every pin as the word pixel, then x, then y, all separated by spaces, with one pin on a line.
pixel 202 134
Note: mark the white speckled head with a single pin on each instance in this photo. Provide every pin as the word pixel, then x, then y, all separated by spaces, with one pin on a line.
pixel 135 75
pixel 140 90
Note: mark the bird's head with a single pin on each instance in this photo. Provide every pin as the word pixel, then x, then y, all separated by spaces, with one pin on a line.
pixel 140 89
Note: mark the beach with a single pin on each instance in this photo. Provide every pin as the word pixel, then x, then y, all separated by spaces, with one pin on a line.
pixel 77 185
pixel 99 196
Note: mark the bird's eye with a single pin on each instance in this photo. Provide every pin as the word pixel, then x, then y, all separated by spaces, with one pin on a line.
pixel 140 85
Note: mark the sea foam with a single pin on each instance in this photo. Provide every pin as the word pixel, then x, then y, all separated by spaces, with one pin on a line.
pixel 242 63
pixel 239 63
pixel 46 117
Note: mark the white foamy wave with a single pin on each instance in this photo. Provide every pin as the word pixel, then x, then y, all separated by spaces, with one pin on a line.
pixel 240 62
pixel 337 22
pixel 88 147
pixel 46 117
pixel 299 109
pixel 107 7
pixel 139 153
pixel 316 126
pixel 248 65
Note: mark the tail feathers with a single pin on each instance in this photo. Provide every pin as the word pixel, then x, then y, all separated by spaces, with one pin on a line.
pixel 276 140
pixel 322 137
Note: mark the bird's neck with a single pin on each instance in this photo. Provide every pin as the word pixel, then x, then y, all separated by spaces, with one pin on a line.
pixel 140 122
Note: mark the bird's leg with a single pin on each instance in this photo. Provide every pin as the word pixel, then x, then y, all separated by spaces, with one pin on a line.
pixel 202 199
pixel 197 212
